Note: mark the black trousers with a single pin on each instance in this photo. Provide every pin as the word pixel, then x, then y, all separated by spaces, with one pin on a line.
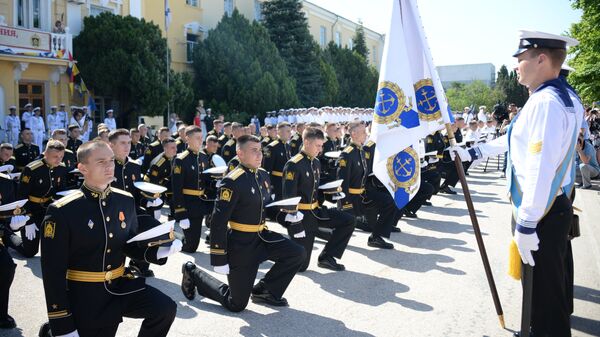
pixel 287 255
pixel 342 224
pixel 7 274
pixel 192 235
pixel 551 300
pixel 448 170
pixel 380 209
pixel 157 309
pixel 29 248
pixel 434 178
pixel 425 192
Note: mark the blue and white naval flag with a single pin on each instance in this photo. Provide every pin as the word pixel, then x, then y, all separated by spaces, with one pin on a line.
pixel 410 103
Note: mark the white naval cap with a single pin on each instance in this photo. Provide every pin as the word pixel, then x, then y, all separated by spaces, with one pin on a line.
pixel 37 108
pixel 109 110
pixel 534 39
pixel 53 107
pixel 12 107
pixel 27 105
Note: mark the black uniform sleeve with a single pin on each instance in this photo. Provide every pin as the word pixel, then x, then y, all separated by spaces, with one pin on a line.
pixel 345 173
pixel 224 206
pixel 137 251
pixel 177 183
pixel 54 261
pixel 291 173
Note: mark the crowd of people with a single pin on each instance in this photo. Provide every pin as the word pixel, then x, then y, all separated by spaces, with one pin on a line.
pixel 92 203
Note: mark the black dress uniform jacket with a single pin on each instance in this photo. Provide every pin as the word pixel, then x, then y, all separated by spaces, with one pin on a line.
pixel 87 232
pixel 126 173
pixel 73 144
pixel 153 150
pixel 160 172
pixel 137 150
pixel 25 154
pixel 228 150
pixel 328 165
pixel 295 144
pixel 223 139
pixel 189 184
pixel 276 154
pixel 353 169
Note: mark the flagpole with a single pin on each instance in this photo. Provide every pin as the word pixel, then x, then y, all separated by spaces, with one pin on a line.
pixel 168 63
pixel 486 263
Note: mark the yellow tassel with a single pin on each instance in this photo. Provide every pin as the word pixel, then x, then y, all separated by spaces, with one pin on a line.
pixel 514 261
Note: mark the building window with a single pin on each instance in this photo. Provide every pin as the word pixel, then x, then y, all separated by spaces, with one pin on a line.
pixel 323 36
pixel 29 13
pixel 338 39
pixel 350 44
pixel 258 10
pixel 192 3
pixel 228 7
pixel 97 10
pixel 191 42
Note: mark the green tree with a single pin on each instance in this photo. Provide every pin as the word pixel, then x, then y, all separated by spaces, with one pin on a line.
pixel 475 93
pixel 508 84
pixel 124 58
pixel 586 56
pixel 239 71
pixel 181 94
pixel 359 43
pixel 288 29
pixel 357 80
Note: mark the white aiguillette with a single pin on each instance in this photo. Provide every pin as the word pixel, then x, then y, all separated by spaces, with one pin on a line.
pixel 333 154
pixel 149 187
pixel 156 236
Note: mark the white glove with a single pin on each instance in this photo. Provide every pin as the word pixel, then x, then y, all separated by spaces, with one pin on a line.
pixel 338 196
pixel 293 218
pixel 175 247
pixel 463 154
pixel 18 221
pixel 300 235
pixel 30 231
pixel 526 244
pixel 157 214
pixel 184 224
pixel 70 334
pixel 150 203
pixel 158 202
pixel 222 269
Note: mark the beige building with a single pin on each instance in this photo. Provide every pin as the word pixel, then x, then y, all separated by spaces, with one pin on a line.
pixel 34 53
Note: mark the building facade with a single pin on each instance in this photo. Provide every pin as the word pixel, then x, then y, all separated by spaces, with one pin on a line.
pixel 34 52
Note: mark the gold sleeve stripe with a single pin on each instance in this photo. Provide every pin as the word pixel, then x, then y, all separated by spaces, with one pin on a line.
pixel 217 251
pixel 535 148
pixel 58 314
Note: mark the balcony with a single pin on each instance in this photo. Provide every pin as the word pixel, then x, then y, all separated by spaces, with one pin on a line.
pixel 36 43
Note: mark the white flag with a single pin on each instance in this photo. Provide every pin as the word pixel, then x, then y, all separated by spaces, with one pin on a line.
pixel 410 103
pixel 167 15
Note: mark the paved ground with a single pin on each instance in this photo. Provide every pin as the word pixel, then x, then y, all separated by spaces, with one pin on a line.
pixel 432 284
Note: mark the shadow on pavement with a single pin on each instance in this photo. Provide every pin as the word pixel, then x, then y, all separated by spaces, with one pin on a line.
pixel 366 289
pixel 430 242
pixel 415 262
pixel 449 227
pixel 586 294
pixel 586 325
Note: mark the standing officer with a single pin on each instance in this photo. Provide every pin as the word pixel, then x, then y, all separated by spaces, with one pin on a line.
pixel 296 141
pixel 161 169
pixel 225 136
pixel 188 188
pixel 26 115
pixel 137 148
pixel 88 291
pixel 110 121
pixel 276 154
pixel 40 180
pixel 36 124
pixel 155 148
pixel 26 152
pixel 53 121
pixel 239 251
pixel 302 173
pixel 63 117
pixel 228 150
pixel 74 142
pixel 12 125
pixel 541 144
pixel 69 159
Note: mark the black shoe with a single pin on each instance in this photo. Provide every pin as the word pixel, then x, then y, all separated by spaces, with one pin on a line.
pixel 45 330
pixel 188 288
pixel 139 272
pixel 378 242
pixel 147 273
pixel 447 190
pixel 8 323
pixel 410 214
pixel 267 298
pixel 427 203
pixel 329 262
pixel 396 230
pixel 518 334
pixel 363 226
